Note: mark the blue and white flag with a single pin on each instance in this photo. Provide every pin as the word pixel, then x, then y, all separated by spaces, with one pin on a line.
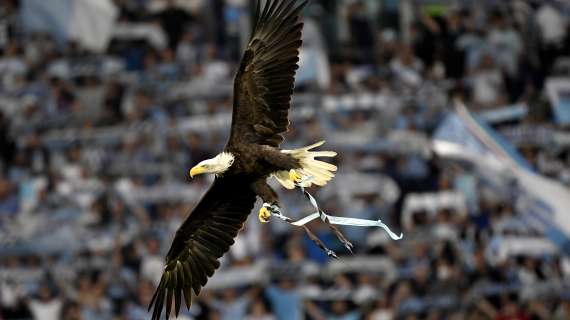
pixel 89 22
pixel 542 202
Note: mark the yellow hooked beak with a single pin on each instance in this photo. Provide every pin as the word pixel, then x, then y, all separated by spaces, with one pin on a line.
pixel 196 171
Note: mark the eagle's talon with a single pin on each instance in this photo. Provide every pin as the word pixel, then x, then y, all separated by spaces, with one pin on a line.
pixel 295 176
pixel 264 215
pixel 267 211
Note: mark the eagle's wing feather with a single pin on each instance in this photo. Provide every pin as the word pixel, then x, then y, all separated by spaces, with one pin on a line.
pixel 205 236
pixel 265 80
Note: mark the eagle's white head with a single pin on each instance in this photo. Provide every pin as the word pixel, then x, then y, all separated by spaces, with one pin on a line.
pixel 217 165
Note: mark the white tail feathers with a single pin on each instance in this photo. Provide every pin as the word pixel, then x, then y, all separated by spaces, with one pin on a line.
pixel 311 172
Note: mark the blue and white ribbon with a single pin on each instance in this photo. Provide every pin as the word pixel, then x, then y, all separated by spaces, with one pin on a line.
pixel 331 221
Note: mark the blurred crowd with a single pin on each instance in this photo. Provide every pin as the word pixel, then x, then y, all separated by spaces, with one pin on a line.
pixel 95 149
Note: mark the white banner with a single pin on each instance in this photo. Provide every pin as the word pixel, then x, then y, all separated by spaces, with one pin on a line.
pixel 92 22
pixel 89 22
pixel 542 202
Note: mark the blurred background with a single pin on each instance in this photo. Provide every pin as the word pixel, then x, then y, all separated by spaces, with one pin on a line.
pixel 105 105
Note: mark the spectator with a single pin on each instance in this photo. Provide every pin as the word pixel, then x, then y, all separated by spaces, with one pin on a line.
pixel 487 84
pixel 231 306
pixel 341 311
pixel 407 67
pixel 454 59
pixel 506 45
pixel 72 311
pixel 472 42
pixel 553 32
pixel 47 306
pixel 95 146
pixel 382 311
pixel 12 68
pixel 174 21
pixel 361 33
pixel 152 261
pixel 285 300
pixel 258 311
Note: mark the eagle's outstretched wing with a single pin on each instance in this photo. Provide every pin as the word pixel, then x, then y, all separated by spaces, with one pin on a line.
pixel 205 236
pixel 266 77
pixel 263 88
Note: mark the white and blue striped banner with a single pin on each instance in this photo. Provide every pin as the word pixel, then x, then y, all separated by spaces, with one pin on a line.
pixel 542 202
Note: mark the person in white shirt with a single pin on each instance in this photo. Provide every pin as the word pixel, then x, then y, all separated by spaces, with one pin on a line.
pixel 47 306
pixel 487 84
pixel 407 67
pixel 506 44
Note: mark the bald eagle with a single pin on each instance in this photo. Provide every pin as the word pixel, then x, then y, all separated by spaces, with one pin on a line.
pixel 262 97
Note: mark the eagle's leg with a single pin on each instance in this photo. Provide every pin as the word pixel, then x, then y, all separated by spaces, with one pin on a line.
pixel 270 200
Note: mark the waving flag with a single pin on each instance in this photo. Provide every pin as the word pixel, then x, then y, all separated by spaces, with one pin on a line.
pixel 542 202
pixel 89 22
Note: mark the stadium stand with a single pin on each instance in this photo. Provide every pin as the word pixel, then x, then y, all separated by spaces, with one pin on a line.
pixel 104 108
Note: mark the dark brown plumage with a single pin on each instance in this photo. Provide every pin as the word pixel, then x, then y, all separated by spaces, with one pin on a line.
pixel 262 94
pixel 203 238
pixel 266 77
